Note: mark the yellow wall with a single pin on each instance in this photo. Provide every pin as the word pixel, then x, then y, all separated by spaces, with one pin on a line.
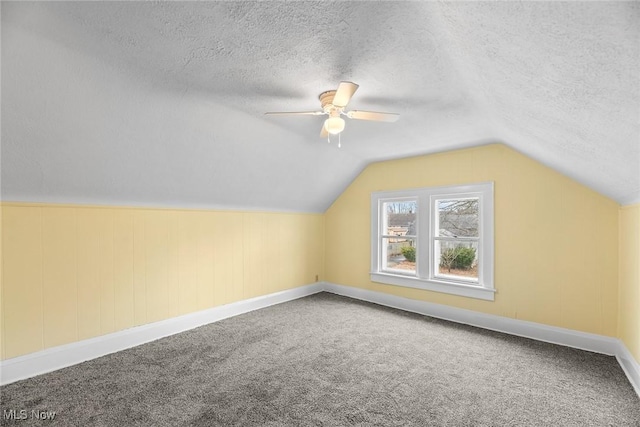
pixel 73 272
pixel 629 264
pixel 564 255
pixel 556 241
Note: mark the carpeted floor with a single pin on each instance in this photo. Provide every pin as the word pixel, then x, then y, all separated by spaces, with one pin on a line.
pixel 333 361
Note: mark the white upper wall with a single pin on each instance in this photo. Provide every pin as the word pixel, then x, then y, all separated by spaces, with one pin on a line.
pixel 136 103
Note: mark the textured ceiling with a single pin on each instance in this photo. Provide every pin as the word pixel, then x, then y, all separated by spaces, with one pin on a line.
pixel 158 103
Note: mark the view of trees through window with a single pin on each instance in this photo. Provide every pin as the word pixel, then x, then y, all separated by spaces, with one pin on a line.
pixel 436 238
pixel 456 245
pixel 456 239
pixel 400 234
pixel 458 218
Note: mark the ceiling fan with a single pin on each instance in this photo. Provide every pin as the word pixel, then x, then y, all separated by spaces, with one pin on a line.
pixel 333 103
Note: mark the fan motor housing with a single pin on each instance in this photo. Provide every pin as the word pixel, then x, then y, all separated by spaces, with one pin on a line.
pixel 326 100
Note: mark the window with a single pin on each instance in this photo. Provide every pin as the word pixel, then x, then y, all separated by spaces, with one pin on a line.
pixel 399 238
pixel 439 239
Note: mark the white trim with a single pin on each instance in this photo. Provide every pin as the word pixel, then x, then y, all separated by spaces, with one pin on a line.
pixel 51 359
pixel 522 328
pixel 551 334
pixel 425 276
pixel 454 288
pixel 629 365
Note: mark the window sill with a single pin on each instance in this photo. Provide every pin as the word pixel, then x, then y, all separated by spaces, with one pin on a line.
pixel 460 289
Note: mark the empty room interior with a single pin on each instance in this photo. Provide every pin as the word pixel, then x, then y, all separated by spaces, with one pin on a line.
pixel 320 213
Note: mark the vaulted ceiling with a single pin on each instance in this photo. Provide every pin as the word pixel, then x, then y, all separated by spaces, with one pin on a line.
pixel 161 103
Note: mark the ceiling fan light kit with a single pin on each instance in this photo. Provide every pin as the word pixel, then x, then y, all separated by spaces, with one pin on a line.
pixel 334 125
pixel 333 103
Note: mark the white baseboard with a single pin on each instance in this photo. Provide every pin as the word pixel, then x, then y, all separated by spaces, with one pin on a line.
pixel 551 334
pixel 630 366
pixel 51 359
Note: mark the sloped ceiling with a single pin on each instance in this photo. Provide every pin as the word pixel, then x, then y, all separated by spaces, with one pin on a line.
pixel 161 104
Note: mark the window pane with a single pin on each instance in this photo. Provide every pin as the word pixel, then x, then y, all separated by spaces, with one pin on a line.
pixel 400 218
pixel 456 259
pixel 400 254
pixel 457 217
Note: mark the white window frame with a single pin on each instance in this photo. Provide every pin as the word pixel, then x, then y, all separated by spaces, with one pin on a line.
pixel 425 276
pixel 383 250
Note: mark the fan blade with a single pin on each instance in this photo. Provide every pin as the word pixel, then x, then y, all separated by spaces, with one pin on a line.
pixel 295 113
pixel 373 115
pixel 344 93
pixel 323 132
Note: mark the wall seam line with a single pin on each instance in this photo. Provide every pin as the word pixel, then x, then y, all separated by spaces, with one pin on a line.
pixel 76 277
pixel 42 274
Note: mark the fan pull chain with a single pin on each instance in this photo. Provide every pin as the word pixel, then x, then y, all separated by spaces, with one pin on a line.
pixel 339 140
